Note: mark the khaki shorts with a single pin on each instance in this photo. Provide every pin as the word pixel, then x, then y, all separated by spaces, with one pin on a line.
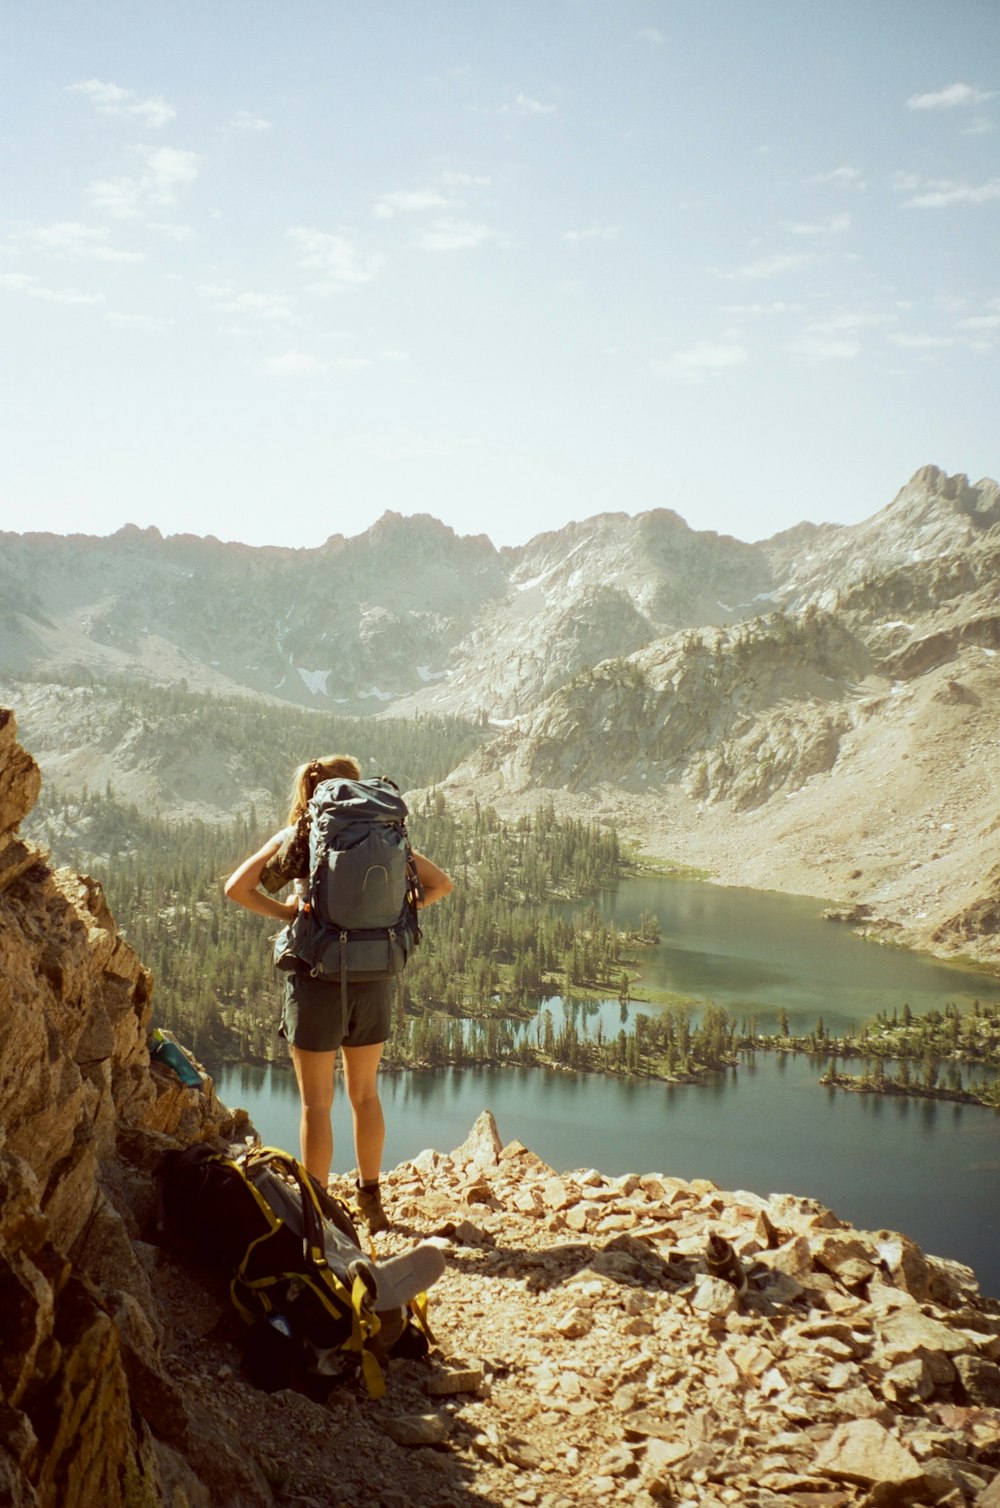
pixel 313 1017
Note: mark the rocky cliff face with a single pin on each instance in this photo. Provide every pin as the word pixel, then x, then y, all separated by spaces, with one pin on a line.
pixel 87 1406
pixel 584 1350
pixel 932 518
pixel 714 710
pixel 590 592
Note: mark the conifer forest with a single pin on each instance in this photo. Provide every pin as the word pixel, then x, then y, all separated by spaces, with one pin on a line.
pixel 519 928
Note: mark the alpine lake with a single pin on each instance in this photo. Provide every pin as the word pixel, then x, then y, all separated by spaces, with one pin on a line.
pixel 929 1168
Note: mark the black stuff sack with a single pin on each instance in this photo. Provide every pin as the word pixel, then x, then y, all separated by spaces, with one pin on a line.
pixel 315 1302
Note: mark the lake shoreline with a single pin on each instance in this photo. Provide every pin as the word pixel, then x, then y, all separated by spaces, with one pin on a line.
pixel 889 1162
pixel 700 1075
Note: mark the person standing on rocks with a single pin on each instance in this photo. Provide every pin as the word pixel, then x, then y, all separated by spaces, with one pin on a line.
pixel 319 1016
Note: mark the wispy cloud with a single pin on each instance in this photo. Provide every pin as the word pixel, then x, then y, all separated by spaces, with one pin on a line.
pixel 766 267
pixel 112 99
pixel 376 358
pixel 651 34
pixel 452 235
pixel 245 124
pixel 141 324
pixel 445 212
pixel 229 298
pixel 974 332
pixel 776 306
pixel 949 97
pixel 593 233
pixel 31 286
pixel 408 202
pixel 981 322
pixel 920 341
pixel 170 230
pixel 452 180
pixel 815 345
pixel 340 263
pixel 293 364
pixel 164 174
pixel 525 106
pixel 843 177
pixel 835 338
pixel 833 225
pixel 941 193
pixel 701 361
pixel 70 241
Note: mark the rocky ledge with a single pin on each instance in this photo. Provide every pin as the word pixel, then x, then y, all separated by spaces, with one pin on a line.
pixel 853 1370
pixel 584 1351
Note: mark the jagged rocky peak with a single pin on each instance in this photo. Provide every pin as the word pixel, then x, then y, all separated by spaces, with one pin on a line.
pixel 422 528
pixel 136 531
pixel 673 574
pixel 419 561
pixel 934 515
pixel 350 624
pixel 932 491
pixel 592 591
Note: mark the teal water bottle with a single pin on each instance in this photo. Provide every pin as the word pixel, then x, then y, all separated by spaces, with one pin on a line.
pixel 175 1058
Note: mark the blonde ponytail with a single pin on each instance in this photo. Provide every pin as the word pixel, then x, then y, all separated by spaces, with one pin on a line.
pixel 308 776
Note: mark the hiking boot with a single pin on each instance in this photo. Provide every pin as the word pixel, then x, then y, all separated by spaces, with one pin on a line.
pixel 370 1204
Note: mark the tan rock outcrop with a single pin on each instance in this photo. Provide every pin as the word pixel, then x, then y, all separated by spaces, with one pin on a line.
pixel 75 1075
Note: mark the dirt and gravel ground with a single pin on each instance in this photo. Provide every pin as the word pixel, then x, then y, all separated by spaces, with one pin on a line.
pixel 584 1355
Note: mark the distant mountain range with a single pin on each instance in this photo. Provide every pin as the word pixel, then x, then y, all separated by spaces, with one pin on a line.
pixel 819 711
pixel 410 612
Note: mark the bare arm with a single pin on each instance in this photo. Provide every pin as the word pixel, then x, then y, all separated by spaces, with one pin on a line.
pixel 241 886
pixel 434 882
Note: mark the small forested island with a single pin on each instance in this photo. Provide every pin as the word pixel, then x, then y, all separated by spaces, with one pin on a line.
pixel 923 1056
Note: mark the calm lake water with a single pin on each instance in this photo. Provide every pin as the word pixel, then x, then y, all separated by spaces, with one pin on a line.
pixel 931 1169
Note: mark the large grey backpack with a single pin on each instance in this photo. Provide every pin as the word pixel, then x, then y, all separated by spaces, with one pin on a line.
pixel 360 919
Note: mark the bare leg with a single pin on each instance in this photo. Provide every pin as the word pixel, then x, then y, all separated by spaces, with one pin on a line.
pixel 314 1072
pixel 360 1069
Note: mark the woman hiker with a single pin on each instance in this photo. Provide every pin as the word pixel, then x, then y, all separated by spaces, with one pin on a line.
pixel 313 1019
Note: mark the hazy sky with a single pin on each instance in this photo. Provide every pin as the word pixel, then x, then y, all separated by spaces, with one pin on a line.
pixel 270 267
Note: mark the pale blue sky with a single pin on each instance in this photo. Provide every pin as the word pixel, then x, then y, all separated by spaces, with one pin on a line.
pixel 268 269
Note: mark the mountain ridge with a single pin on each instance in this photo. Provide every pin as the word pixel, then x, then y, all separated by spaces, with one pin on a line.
pixel 96 599
pixel 716 700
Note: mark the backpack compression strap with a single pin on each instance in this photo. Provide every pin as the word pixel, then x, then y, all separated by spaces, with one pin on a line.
pixel 318 1276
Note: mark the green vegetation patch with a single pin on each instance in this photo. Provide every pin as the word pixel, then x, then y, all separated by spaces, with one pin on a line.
pixel 492 949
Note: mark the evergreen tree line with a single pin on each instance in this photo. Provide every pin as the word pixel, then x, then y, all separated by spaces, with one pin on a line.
pixel 668 1045
pixel 492 949
pixel 972 1037
pixel 929 1076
